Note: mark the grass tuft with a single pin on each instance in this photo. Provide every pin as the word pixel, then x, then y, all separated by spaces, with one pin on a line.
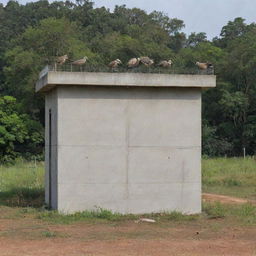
pixel 178 216
pixel 98 214
pixel 49 234
pixel 244 213
pixel 214 210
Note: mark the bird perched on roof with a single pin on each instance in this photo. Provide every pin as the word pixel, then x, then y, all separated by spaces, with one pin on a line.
pixel 165 63
pixel 115 63
pixel 134 62
pixel 204 65
pixel 146 61
pixel 61 59
pixel 80 62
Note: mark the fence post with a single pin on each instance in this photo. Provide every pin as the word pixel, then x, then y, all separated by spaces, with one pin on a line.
pixel 35 162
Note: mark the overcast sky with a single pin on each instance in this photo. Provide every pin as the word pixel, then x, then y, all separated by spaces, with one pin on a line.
pixel 199 15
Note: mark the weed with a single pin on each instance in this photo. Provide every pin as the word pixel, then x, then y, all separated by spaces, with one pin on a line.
pixel 48 234
pixel 178 216
pixel 98 214
pixel 214 210
pixel 244 213
pixel 231 182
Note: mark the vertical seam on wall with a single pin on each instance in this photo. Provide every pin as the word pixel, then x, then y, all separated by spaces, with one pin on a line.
pixel 200 155
pixel 57 148
pixel 127 152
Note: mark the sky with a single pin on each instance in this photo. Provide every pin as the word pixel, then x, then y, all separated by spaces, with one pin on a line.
pixel 199 15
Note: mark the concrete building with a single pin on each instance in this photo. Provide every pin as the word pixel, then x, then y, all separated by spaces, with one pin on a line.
pixel 127 142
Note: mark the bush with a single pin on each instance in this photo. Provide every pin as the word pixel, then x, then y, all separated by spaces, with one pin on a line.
pixel 17 132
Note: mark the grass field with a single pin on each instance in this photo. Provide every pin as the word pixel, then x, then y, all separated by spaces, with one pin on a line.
pixel 230 176
pixel 21 185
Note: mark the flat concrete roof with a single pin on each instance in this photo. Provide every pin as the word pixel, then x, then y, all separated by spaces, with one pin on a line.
pixel 50 79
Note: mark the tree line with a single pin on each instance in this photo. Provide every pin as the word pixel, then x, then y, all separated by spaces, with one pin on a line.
pixel 32 35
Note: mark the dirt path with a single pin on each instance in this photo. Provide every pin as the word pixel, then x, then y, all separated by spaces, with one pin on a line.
pixel 25 235
pixel 225 199
pixel 127 247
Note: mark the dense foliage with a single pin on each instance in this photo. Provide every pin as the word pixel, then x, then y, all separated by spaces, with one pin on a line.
pixel 32 35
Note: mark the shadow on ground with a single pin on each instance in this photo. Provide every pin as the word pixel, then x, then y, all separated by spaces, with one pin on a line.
pixel 22 197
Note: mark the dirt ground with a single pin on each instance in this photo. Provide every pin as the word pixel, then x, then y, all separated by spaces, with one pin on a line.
pixel 25 236
pixel 225 199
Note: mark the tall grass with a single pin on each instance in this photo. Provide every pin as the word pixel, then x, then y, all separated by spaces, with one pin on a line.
pixel 22 184
pixel 230 176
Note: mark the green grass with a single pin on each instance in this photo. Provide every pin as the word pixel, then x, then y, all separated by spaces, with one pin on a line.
pixel 97 214
pixel 49 234
pixel 230 176
pixel 244 213
pixel 100 214
pixel 22 184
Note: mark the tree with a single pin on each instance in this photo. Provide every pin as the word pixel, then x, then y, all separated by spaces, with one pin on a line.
pixel 195 38
pixel 231 31
pixel 172 26
pixel 35 48
pixel 212 145
pixel 202 52
pixel 14 130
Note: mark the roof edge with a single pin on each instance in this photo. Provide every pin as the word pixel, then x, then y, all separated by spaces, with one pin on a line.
pixel 50 79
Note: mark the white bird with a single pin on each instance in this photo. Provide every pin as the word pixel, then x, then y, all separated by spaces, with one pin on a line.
pixel 165 63
pixel 115 63
pixel 80 62
pixel 146 61
pixel 134 62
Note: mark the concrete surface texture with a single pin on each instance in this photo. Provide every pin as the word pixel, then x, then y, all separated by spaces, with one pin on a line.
pixel 50 79
pixel 126 149
pixel 51 149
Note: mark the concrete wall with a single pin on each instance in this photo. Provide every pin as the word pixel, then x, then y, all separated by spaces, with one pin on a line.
pixel 51 103
pixel 130 150
pixel 50 79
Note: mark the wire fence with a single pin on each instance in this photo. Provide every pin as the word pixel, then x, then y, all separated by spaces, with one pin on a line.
pixel 123 69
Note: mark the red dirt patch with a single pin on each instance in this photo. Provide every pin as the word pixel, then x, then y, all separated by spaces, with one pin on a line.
pixel 225 199
pixel 29 236
pixel 125 247
pixel 127 239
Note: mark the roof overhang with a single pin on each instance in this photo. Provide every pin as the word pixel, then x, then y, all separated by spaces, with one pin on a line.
pixel 50 79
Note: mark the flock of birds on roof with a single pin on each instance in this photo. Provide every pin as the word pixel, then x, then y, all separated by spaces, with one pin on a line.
pixel 133 63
